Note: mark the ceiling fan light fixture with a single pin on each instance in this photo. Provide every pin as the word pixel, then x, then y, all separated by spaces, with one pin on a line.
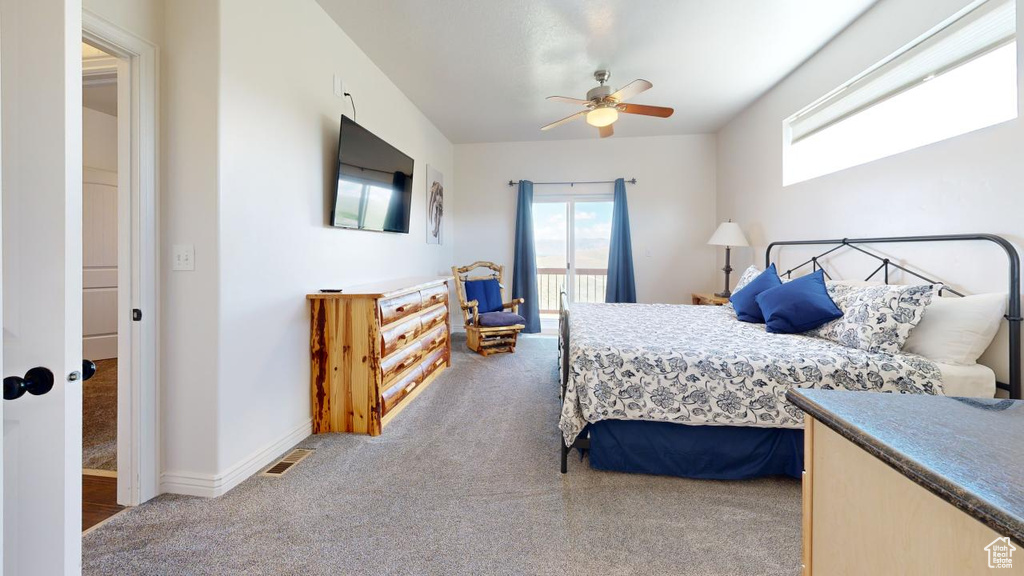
pixel 603 104
pixel 601 117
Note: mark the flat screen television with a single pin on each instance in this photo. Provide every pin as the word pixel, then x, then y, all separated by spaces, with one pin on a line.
pixel 374 185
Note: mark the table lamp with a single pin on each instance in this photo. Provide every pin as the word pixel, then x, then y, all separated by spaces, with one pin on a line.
pixel 728 234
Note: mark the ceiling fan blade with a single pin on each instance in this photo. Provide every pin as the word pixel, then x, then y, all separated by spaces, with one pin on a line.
pixel 659 111
pixel 568 100
pixel 606 131
pixel 565 120
pixel 632 89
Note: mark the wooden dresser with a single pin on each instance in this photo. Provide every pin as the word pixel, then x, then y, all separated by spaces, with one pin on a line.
pixel 374 348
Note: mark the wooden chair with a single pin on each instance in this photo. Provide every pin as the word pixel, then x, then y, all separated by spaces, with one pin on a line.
pixel 487 308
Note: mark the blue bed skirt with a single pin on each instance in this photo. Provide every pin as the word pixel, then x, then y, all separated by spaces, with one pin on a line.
pixel 709 452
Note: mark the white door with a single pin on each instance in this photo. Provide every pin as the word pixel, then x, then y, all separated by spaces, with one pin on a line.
pixel 572 237
pixel 41 159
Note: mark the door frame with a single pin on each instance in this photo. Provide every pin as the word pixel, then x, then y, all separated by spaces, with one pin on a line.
pixel 570 215
pixel 138 453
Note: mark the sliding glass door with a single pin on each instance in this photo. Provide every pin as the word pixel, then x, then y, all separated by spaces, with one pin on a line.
pixel 551 242
pixel 572 235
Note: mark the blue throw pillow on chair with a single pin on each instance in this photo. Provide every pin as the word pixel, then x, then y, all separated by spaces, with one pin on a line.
pixel 486 292
pixel 744 301
pixel 798 306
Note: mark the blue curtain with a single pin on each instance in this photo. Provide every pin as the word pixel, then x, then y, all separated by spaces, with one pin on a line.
pixel 524 271
pixel 621 283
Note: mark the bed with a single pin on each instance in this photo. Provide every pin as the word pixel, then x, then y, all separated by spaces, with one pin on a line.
pixel 691 391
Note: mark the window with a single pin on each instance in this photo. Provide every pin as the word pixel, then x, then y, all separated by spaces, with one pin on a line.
pixel 957 78
pixel 363 205
pixel 572 238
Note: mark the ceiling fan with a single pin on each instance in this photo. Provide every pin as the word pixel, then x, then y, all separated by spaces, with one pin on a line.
pixel 603 105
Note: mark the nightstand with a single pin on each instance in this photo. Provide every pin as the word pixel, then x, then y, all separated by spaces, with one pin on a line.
pixel 708 300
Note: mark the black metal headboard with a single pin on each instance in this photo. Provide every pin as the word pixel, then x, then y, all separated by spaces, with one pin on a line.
pixel 1013 314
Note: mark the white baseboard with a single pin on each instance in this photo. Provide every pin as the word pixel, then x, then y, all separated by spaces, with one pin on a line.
pixel 213 485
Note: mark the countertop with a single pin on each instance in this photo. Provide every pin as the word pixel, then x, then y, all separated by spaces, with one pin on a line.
pixel 967 451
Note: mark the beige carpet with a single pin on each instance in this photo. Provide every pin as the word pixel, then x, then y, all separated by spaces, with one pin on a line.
pixel 464 481
pixel 99 417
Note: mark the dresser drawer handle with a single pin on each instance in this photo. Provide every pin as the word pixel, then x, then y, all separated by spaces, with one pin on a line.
pixel 402 336
pixel 400 309
pixel 439 362
pixel 400 366
pixel 410 387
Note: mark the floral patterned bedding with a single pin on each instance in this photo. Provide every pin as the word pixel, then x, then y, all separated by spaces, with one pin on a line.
pixel 699 365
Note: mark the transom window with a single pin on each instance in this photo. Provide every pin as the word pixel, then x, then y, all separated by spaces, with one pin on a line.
pixel 959 77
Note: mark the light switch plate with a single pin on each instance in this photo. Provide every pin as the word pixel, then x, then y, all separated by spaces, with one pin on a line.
pixel 184 257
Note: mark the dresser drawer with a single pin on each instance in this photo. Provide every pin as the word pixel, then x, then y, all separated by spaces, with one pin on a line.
pixel 434 295
pixel 392 309
pixel 400 389
pixel 393 339
pixel 400 361
pixel 435 317
pixel 434 361
pixel 434 338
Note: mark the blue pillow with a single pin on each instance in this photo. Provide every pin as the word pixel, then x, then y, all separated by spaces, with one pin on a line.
pixel 798 306
pixel 744 301
pixel 487 293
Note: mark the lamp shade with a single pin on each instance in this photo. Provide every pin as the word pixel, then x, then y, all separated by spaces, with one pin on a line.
pixel 728 234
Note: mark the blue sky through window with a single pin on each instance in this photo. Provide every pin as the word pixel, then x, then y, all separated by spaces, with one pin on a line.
pixel 593 224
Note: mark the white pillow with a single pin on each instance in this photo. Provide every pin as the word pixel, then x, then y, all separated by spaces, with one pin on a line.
pixel 957 330
pixel 748 275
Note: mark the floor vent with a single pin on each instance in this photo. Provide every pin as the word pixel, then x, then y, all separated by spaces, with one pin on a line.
pixel 287 463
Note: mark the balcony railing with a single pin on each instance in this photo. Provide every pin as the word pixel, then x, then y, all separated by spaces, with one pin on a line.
pixel 588 286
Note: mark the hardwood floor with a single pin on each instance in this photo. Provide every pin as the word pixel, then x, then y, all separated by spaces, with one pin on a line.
pixel 99 499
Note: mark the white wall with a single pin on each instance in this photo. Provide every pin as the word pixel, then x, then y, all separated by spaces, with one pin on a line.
pixel 186 35
pixel 279 122
pixel 671 208
pixel 190 313
pixel 144 18
pixel 99 235
pixel 99 137
pixel 970 183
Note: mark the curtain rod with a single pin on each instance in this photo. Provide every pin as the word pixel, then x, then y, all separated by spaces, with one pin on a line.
pixel 630 181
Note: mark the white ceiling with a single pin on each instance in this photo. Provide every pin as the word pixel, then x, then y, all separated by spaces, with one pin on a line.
pixel 480 69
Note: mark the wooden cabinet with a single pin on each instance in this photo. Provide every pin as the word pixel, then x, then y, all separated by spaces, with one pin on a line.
pixel 861 516
pixel 373 349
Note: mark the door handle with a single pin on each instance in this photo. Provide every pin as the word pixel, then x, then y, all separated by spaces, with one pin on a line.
pixel 37 381
pixel 88 369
